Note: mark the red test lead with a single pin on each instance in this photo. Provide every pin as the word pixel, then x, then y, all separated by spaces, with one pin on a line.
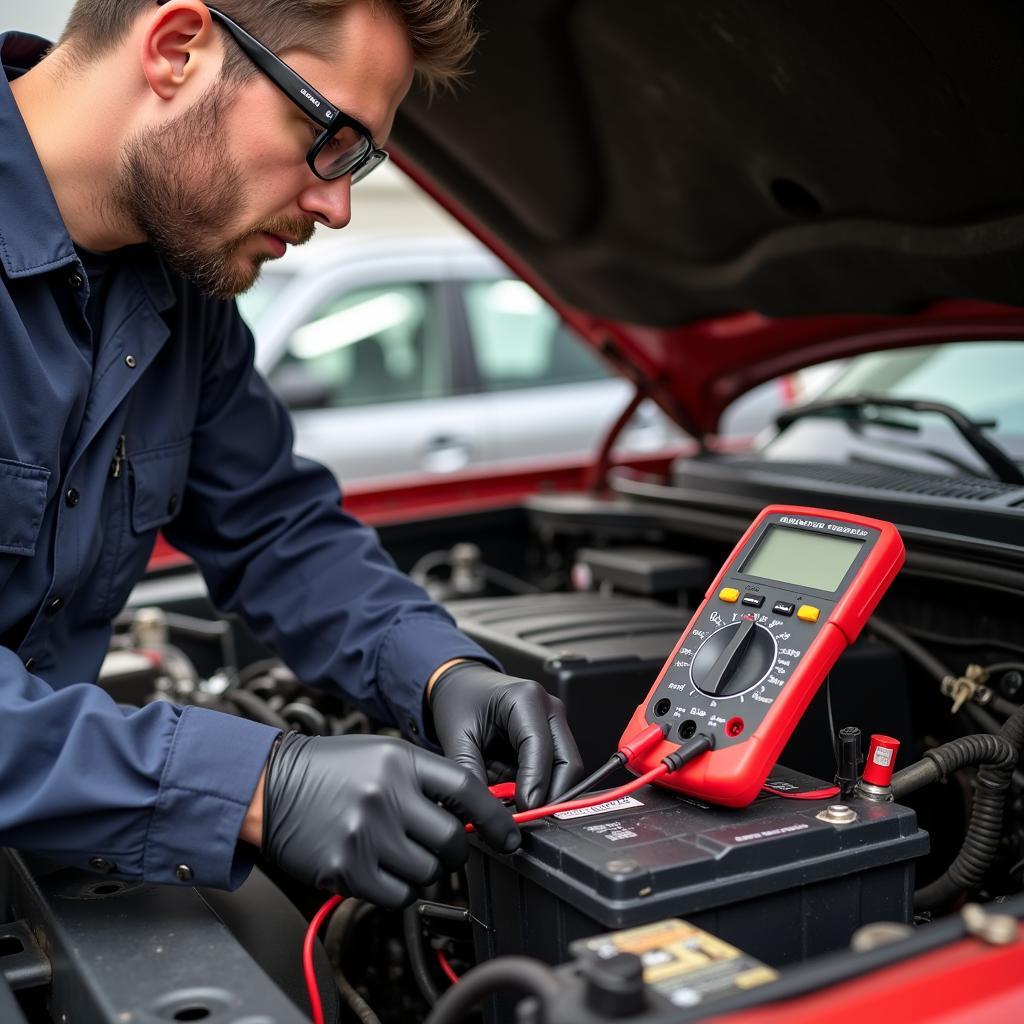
pixel 636 747
pixel 643 741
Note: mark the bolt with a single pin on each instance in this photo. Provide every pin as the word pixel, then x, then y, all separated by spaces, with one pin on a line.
pixel 621 867
pixel 1011 683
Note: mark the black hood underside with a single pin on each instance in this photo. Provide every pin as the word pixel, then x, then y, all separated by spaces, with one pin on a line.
pixel 664 161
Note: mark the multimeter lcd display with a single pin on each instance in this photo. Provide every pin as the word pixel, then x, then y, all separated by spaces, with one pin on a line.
pixel 802 559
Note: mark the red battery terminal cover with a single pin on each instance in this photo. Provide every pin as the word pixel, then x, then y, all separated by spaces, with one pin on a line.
pixel 881 760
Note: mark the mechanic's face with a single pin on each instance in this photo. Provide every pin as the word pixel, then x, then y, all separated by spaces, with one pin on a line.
pixel 222 187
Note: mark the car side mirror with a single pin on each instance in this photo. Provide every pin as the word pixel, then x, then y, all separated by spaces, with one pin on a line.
pixel 299 389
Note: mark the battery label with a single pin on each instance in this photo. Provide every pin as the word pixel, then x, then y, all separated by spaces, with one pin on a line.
pixel 769 833
pixel 613 831
pixel 686 965
pixel 611 805
pixel 882 756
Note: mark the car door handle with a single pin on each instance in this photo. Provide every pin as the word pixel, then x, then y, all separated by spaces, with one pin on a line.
pixel 446 454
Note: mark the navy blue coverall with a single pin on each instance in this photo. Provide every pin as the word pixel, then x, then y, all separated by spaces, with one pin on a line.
pixel 207 457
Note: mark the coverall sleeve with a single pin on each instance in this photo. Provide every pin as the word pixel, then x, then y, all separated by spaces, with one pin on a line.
pixel 268 532
pixel 134 793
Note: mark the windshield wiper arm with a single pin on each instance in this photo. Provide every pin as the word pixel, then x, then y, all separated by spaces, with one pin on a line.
pixel 994 457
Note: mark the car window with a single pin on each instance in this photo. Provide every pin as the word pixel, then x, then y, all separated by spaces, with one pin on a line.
pixel 372 345
pixel 757 408
pixel 984 380
pixel 519 341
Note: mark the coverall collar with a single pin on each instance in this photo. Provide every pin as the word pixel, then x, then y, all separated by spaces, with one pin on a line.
pixel 33 236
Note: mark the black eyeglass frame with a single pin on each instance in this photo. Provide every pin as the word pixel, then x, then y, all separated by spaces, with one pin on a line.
pixel 312 103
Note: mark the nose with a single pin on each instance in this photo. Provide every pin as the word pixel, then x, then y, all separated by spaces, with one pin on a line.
pixel 329 202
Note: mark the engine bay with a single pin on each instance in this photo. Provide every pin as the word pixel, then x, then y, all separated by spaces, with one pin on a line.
pixel 588 595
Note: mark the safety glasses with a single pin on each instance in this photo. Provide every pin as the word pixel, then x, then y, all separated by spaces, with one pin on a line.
pixel 344 145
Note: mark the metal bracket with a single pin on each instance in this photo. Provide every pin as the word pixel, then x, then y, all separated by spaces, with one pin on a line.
pixel 968 687
pixel 23 962
pixel 995 929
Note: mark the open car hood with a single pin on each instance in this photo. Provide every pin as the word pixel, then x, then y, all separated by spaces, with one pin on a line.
pixel 715 193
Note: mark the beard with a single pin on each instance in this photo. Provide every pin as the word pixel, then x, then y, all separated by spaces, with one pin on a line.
pixel 178 184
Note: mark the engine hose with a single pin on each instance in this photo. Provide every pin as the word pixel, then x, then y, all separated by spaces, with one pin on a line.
pixel 417 958
pixel 909 647
pixel 257 708
pixel 997 756
pixel 312 721
pixel 344 920
pixel 989 723
pixel 519 972
pixel 1003 706
pixel 354 721
pixel 935 668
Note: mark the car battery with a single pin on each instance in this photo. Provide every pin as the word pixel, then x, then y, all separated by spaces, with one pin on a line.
pixel 782 879
pixel 600 653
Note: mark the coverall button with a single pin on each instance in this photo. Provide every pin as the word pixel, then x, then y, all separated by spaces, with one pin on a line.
pixel 71 497
pixel 55 606
pixel 183 873
pixel 75 279
pixel 30 663
pixel 172 504
pixel 130 361
pixel 101 864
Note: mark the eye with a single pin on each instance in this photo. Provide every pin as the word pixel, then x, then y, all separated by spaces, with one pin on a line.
pixel 335 145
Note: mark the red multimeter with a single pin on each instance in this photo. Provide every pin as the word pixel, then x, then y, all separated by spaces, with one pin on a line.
pixel 796 590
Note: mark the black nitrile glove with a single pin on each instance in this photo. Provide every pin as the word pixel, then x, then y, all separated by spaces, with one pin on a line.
pixel 492 723
pixel 373 817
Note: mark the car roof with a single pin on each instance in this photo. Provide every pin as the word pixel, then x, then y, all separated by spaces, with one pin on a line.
pixel 354 247
pixel 307 277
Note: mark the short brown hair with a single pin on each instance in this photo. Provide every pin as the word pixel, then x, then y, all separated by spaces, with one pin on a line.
pixel 440 31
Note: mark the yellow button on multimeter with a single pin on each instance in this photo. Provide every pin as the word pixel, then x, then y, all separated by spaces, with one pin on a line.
pixel 730 594
pixel 808 613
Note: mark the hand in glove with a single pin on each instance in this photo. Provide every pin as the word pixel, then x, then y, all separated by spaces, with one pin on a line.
pixel 497 725
pixel 373 817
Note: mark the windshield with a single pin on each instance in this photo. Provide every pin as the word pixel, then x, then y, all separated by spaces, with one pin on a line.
pixel 984 380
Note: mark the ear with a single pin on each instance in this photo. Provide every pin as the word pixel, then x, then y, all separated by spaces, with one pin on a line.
pixel 178 40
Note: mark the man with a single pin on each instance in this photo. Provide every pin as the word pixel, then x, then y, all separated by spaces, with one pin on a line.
pixel 150 164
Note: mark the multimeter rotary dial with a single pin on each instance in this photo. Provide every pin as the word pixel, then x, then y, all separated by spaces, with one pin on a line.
pixel 733 659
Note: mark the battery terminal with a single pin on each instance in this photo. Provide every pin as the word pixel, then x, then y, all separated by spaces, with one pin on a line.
pixel 837 814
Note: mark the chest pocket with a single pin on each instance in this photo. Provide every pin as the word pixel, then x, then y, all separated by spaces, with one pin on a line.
pixel 22 504
pixel 156 483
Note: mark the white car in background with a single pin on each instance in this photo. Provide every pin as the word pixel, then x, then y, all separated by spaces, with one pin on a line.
pixel 426 355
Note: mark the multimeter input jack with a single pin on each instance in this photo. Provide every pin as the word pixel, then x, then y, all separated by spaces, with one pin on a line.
pixel 663 707
pixel 687 729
